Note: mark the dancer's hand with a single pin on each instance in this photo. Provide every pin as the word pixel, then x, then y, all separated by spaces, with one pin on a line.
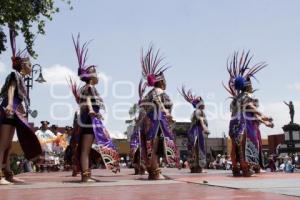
pixel 92 113
pixel 269 124
pixel 271 119
pixel 170 118
pixel 9 110
pixel 206 131
pixel 99 116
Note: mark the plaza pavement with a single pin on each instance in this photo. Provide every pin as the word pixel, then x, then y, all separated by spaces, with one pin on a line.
pixel 179 185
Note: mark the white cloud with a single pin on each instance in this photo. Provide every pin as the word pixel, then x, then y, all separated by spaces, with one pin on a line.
pixel 58 74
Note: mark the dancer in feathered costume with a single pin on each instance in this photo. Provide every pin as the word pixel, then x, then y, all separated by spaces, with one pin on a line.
pixel 135 140
pixel 12 114
pixel 158 138
pixel 75 151
pixel 244 125
pixel 90 119
pixel 197 132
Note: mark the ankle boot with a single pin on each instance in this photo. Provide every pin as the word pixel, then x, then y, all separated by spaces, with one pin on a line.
pixel 236 171
pixel 86 177
pixel 3 181
pixel 154 174
pixel 9 175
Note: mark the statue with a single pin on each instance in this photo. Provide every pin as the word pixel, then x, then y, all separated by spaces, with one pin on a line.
pixel 292 110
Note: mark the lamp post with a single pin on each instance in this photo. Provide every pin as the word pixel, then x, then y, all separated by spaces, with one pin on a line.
pixel 29 84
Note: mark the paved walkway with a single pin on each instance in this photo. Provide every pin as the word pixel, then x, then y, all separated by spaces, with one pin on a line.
pixel 181 185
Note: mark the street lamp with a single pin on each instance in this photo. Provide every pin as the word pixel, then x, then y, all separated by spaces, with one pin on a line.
pixel 29 84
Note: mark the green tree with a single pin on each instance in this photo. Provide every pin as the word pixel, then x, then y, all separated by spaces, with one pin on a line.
pixel 26 17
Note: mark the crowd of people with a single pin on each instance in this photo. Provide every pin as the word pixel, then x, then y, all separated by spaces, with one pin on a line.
pixel 284 163
pixel 54 145
pixel 271 163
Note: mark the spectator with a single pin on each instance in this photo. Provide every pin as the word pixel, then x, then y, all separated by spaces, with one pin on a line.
pixel 271 163
pixel 288 165
pixel 46 138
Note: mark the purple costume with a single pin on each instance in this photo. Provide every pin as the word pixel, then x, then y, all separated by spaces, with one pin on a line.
pixel 196 133
pixel 157 138
pixel 27 139
pixel 244 124
pixel 105 146
pixel 93 124
pixel 158 125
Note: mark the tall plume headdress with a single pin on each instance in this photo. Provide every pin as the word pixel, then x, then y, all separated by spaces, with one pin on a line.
pixel 84 71
pixel 189 97
pixel 75 89
pixel 142 89
pixel 240 72
pixel 152 67
pixel 19 58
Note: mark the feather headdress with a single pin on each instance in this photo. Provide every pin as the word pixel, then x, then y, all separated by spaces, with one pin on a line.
pixel 75 89
pixel 189 97
pixel 84 71
pixel 240 72
pixel 142 89
pixel 152 67
pixel 18 58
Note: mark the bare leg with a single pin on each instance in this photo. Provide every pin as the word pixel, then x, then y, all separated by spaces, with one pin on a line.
pixel 154 172
pixel 6 134
pixel 234 160
pixel 9 148
pixel 154 159
pixel 9 175
pixel 86 144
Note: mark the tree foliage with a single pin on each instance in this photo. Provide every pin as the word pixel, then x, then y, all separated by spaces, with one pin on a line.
pixel 26 17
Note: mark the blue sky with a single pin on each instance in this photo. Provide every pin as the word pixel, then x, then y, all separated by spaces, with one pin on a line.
pixel 196 38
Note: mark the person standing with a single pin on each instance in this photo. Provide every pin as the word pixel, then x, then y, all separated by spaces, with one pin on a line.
pixel 13 115
pixel 90 119
pixel 244 127
pixel 157 136
pixel 47 140
pixel 197 132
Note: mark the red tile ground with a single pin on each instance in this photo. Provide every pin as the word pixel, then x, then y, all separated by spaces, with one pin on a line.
pixel 125 186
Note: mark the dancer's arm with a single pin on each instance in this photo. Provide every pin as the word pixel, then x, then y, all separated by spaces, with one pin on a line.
pixel 11 91
pixel 160 103
pixel 252 108
pixel 204 127
pixel 203 124
pixel 267 122
pixel 90 107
